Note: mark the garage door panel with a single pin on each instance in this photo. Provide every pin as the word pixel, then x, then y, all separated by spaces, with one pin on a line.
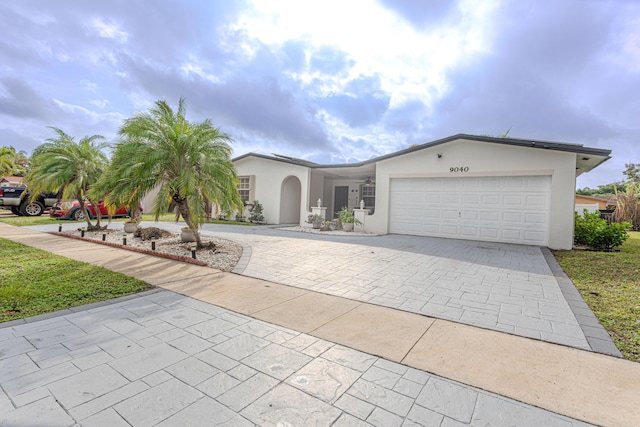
pixel 512 200
pixel 536 200
pixel 535 218
pixel 489 216
pixel 451 198
pixel 490 184
pixel 509 209
pixel 538 182
pixel 469 231
pixel 450 214
pixel 430 229
pixel 471 199
pixel 490 199
pixel 489 233
pixel 468 215
pixel 512 217
pixel 512 234
pixel 532 235
pixel 450 230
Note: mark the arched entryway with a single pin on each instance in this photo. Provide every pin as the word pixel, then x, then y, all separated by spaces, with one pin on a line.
pixel 290 200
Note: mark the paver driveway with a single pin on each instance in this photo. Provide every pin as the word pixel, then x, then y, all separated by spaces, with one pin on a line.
pixel 168 360
pixel 508 288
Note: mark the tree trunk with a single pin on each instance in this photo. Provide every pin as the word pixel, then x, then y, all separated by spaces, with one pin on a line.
pixel 84 210
pixel 98 213
pixel 184 211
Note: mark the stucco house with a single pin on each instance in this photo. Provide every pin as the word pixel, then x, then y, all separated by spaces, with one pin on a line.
pixel 11 181
pixel 594 203
pixel 464 186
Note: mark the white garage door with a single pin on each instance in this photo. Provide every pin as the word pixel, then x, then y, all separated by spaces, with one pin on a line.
pixel 512 209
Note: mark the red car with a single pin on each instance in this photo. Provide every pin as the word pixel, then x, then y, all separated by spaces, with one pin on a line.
pixel 71 210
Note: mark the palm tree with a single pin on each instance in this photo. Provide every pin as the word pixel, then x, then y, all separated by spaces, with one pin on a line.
pixel 69 168
pixel 7 165
pixel 190 163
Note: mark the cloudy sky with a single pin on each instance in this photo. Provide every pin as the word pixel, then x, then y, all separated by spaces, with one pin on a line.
pixel 329 81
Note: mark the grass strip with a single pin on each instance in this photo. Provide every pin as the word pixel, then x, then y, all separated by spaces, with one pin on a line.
pixel 33 282
pixel 609 282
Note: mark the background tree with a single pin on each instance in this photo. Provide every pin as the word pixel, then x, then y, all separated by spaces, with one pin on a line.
pixel 632 172
pixel 602 190
pixel 7 164
pixel 69 168
pixel 190 162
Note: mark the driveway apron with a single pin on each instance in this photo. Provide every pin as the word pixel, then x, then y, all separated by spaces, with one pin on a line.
pixel 507 288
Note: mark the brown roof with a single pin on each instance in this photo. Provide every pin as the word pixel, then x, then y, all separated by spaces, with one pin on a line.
pixel 12 178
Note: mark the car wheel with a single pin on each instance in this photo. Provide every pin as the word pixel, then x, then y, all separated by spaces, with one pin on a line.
pixel 31 209
pixel 78 215
pixel 16 210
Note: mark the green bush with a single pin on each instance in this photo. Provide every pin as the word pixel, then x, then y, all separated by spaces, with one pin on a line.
pixel 255 213
pixel 596 232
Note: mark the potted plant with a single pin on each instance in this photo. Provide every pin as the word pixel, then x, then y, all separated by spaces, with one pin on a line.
pixel 130 226
pixel 187 235
pixel 135 215
pixel 348 219
pixel 315 220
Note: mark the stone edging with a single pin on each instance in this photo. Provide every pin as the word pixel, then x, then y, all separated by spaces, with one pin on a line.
pixel 134 249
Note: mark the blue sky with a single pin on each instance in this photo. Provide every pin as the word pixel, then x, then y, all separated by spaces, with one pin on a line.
pixel 331 81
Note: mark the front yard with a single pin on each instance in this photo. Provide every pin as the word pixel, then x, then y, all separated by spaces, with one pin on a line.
pixel 35 282
pixel 609 282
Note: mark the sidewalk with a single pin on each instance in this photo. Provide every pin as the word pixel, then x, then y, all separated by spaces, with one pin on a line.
pixel 579 384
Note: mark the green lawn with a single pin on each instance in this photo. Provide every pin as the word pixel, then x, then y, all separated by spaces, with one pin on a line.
pixel 34 282
pixel 610 283
pixel 21 221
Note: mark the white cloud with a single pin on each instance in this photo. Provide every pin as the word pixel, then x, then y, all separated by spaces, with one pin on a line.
pixel 89 85
pixel 410 63
pixel 109 30
pixel 86 115
pixel 100 103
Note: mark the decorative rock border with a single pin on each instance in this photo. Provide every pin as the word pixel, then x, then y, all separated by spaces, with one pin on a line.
pixel 134 249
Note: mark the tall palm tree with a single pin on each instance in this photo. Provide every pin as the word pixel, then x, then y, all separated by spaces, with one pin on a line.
pixel 61 164
pixel 189 161
pixel 7 164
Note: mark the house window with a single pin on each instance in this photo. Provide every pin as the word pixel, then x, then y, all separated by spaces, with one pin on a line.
pixel 368 193
pixel 244 188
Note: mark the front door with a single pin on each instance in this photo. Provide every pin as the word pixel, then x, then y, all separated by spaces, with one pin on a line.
pixel 340 197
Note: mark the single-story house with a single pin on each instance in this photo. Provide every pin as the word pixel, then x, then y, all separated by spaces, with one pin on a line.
pixel 594 203
pixel 11 181
pixel 464 186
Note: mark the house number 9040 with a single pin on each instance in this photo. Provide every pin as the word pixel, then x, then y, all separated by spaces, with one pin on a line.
pixel 459 169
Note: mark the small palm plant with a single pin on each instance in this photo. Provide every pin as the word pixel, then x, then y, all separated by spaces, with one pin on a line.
pixel 189 162
pixel 61 165
pixel 7 164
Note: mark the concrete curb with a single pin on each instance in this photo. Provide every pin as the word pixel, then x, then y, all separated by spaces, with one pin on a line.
pixel 597 336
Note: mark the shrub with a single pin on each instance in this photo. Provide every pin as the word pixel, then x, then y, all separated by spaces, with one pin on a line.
pixel 628 206
pixel 316 219
pixel 596 232
pixel 150 233
pixel 255 213
pixel 348 217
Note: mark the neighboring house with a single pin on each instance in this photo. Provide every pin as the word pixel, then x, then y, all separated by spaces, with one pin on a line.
pixel 11 181
pixel 464 186
pixel 594 203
